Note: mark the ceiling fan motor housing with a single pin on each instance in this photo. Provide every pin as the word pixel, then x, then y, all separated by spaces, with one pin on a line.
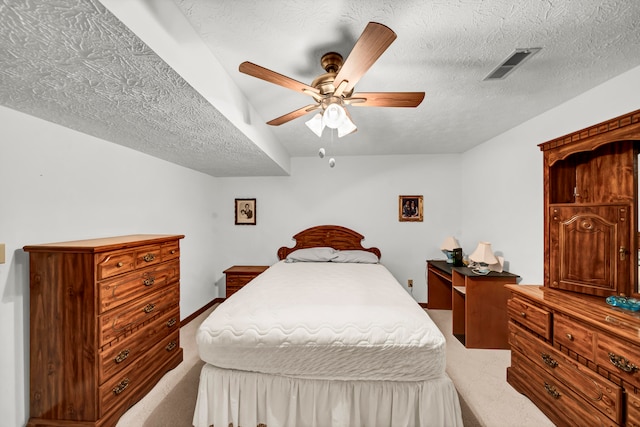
pixel 331 62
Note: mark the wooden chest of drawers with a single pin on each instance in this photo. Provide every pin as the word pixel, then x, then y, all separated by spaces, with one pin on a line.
pixel 104 326
pixel 239 275
pixel 574 356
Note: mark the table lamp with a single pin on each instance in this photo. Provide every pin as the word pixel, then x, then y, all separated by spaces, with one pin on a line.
pixel 448 246
pixel 483 259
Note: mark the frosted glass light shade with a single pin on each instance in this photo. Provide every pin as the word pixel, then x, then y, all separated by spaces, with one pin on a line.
pixel 483 254
pixel 316 124
pixel 346 127
pixel 334 116
pixel 449 244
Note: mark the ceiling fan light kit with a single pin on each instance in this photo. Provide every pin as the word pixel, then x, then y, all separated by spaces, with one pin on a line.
pixel 334 90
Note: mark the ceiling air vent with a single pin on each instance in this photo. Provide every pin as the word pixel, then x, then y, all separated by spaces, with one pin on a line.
pixel 511 63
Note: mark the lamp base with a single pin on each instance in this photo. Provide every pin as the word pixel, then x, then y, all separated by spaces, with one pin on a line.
pixel 449 255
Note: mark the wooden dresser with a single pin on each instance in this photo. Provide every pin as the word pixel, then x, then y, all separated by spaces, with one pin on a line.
pixel 239 275
pixel 575 357
pixel 104 327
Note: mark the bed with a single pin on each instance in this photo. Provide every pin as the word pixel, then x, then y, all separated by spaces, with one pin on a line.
pixel 324 337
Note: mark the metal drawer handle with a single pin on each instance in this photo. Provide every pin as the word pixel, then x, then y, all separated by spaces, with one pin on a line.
pixel 122 356
pixel 523 314
pixel 149 308
pixel 171 346
pixel 548 360
pixel 570 337
pixel 171 322
pixel 120 387
pixel 173 251
pixel 622 363
pixel 150 281
pixel 120 264
pixel 149 257
pixel 551 390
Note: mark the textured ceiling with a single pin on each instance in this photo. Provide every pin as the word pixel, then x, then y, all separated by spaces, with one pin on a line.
pixel 155 75
pixel 74 63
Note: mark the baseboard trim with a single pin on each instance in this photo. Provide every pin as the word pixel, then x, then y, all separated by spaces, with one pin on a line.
pixel 200 311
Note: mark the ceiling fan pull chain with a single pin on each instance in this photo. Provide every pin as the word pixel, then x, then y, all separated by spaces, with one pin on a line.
pixel 332 161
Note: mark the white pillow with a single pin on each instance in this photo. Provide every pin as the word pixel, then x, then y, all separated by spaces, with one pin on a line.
pixel 319 254
pixel 356 256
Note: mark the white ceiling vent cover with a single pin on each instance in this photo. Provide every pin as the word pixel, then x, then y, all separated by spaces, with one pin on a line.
pixel 517 58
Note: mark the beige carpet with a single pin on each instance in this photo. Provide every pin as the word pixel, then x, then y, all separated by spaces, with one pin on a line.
pixel 176 410
pixel 479 375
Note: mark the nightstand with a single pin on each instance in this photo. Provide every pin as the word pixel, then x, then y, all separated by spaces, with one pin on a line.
pixel 239 275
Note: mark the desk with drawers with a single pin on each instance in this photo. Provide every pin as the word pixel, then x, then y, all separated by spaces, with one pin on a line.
pixel 478 303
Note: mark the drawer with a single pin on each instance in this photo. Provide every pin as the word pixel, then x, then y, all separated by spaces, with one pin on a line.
pixel 235 281
pixel 239 280
pixel 633 410
pixel 554 398
pixel 147 255
pixel 122 289
pixel 127 317
pixel 123 386
pixel 534 318
pixel 620 357
pixel 111 264
pixel 170 250
pixel 232 290
pixel 603 394
pixel 122 353
pixel 574 336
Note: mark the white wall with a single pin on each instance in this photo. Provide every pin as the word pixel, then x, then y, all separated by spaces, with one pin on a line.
pixel 509 213
pixel 59 185
pixel 360 193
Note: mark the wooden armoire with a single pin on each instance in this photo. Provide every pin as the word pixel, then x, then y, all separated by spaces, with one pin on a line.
pixel 575 356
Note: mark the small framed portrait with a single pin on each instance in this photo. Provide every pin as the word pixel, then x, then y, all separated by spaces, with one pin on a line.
pixel 410 208
pixel 245 211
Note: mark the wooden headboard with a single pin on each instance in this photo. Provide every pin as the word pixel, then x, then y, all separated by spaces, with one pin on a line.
pixel 335 236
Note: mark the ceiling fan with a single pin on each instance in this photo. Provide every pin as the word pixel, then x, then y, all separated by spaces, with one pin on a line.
pixel 334 90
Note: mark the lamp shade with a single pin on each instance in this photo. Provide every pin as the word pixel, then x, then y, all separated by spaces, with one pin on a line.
pixel 346 127
pixel 316 124
pixel 449 244
pixel 333 116
pixel 483 254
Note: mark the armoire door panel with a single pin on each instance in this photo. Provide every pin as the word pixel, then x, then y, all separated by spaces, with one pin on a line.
pixel 589 248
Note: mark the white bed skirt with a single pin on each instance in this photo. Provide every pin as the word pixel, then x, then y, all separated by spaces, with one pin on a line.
pixel 248 399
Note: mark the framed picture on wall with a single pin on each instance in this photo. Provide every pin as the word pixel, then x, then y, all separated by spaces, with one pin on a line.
pixel 245 211
pixel 410 208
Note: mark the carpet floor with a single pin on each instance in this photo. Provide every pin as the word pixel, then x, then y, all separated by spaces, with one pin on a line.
pixel 479 375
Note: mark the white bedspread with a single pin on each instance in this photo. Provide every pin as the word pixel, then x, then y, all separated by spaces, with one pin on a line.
pixel 324 321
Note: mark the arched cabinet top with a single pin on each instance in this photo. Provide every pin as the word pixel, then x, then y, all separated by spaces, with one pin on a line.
pixel 622 128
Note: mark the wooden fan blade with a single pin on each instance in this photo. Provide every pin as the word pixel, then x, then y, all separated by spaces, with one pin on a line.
pixel 276 78
pixel 293 115
pixel 385 99
pixel 375 39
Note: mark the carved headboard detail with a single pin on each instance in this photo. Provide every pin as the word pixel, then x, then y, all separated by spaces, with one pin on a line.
pixel 335 236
